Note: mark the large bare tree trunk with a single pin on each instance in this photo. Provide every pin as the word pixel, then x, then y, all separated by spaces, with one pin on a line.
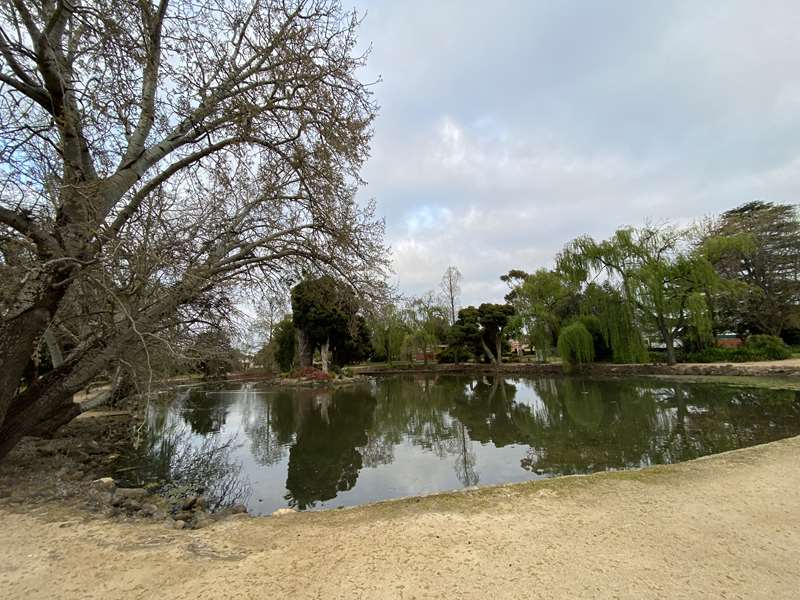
pixel 488 352
pixel 323 354
pixel 16 349
pixel 669 342
pixel 37 414
pixel 53 347
pixel 305 351
pixel 18 338
pixel 47 403
pixel 20 334
pixel 259 106
pixel 42 408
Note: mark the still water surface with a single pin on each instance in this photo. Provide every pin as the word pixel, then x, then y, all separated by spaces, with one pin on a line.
pixel 398 436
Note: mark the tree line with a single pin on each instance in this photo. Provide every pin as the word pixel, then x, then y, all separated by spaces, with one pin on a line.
pixel 163 161
pixel 671 289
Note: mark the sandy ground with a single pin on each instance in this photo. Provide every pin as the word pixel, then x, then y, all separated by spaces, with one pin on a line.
pixel 789 363
pixel 727 526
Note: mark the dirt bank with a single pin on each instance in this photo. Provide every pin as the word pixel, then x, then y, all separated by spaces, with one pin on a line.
pixel 727 526
pixel 789 367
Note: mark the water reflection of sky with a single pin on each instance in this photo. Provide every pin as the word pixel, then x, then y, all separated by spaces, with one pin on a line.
pixel 402 436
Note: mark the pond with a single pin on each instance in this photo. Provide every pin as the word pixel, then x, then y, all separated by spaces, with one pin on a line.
pixel 389 437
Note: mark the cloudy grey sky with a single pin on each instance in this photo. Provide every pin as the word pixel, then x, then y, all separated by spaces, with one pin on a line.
pixel 508 128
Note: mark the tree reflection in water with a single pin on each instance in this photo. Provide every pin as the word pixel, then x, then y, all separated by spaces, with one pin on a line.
pixel 172 456
pixel 324 460
pixel 269 426
pixel 601 425
pixel 320 441
pixel 205 410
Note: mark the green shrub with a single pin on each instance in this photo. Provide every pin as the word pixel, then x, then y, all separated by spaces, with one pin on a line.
pixel 453 354
pixel 711 355
pixel 284 344
pixel 575 345
pixel 757 348
pixel 769 346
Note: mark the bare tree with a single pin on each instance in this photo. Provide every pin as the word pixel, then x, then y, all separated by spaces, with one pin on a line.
pixel 269 312
pixel 158 157
pixel 450 287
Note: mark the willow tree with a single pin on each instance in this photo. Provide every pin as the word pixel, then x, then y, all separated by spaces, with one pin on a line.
pixel 575 346
pixel 616 320
pixel 543 300
pixel 155 158
pixel 428 323
pixel 658 272
pixel 389 331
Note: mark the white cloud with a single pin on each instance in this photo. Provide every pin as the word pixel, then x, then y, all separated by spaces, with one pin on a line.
pixel 507 130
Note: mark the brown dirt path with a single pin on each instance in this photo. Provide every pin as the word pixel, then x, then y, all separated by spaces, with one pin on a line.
pixel 726 526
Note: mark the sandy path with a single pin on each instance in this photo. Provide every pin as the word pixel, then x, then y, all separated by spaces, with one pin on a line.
pixel 722 527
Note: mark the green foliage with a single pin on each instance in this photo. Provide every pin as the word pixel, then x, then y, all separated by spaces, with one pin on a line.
pixel 616 324
pixel 493 320
pixel 265 358
pixel 657 284
pixel 428 324
pixel 716 354
pixel 756 348
pixel 388 333
pixel 656 270
pixel 699 332
pixel 575 345
pixel 479 332
pixel 463 339
pixel 453 355
pixel 515 278
pixel 772 347
pixel 284 344
pixel 602 351
pixel 543 300
pixel 541 338
pixel 757 245
pixel 327 312
pixel 494 317
pixel 354 347
pixel 322 308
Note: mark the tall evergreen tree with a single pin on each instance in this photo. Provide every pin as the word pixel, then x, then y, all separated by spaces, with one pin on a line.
pixel 767 261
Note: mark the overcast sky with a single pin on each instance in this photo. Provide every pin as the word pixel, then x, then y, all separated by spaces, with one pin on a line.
pixel 508 128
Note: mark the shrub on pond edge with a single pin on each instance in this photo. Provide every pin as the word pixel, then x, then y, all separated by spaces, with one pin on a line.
pixel 756 348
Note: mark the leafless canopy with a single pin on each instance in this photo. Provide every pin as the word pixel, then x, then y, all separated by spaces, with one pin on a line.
pixel 156 156
pixel 450 287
